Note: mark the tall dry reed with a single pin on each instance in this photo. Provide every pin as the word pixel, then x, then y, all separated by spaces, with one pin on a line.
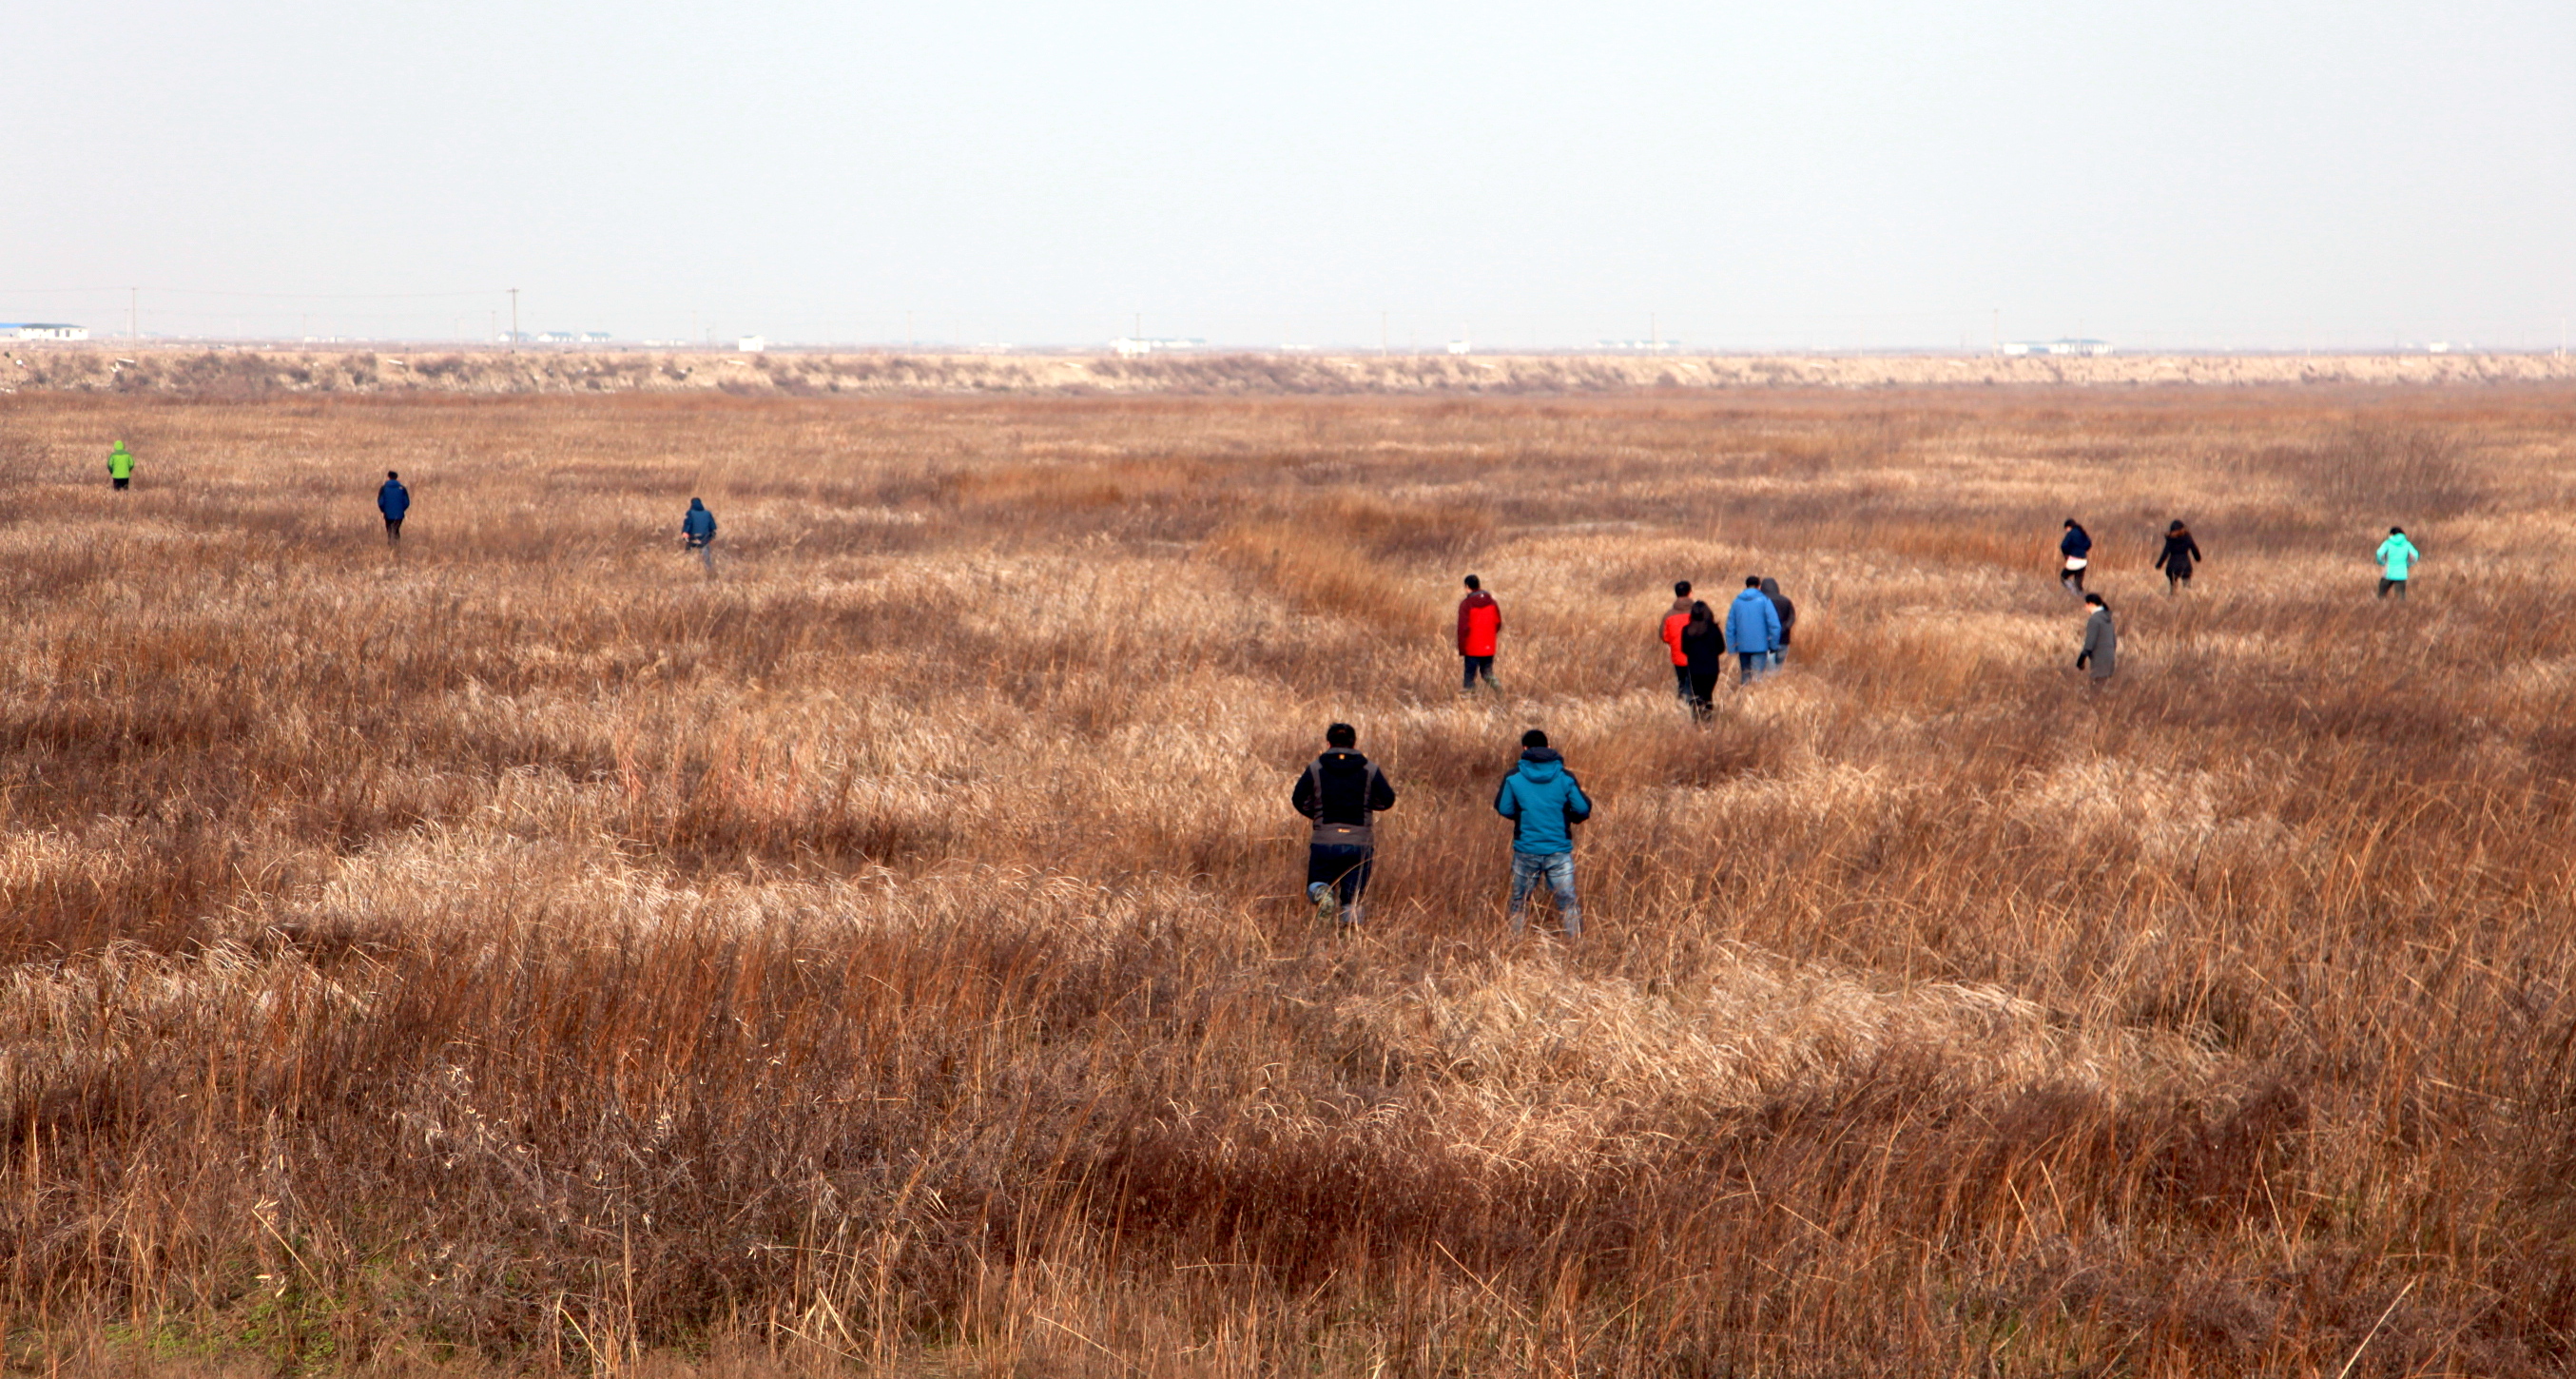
pixel 522 952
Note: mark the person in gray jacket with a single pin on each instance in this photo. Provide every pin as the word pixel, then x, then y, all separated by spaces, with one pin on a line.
pixel 2101 651
pixel 1788 619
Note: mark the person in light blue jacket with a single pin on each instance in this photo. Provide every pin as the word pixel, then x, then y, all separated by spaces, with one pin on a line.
pixel 1753 629
pixel 1544 801
pixel 2397 557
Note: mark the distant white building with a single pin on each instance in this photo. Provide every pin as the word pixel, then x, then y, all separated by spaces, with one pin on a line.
pixel 41 330
pixel 2079 347
pixel 1459 347
pixel 1129 347
pixel 752 344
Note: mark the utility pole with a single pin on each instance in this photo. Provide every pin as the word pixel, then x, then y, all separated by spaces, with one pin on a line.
pixel 1999 330
pixel 134 313
pixel 1654 333
pixel 1381 332
pixel 514 319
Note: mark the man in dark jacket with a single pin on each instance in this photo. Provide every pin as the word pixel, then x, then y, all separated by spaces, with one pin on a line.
pixel 2077 547
pixel 1544 802
pixel 1788 619
pixel 393 500
pixel 1339 791
pixel 698 531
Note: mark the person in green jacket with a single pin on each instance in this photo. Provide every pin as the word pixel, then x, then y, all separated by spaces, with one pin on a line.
pixel 120 466
pixel 2395 555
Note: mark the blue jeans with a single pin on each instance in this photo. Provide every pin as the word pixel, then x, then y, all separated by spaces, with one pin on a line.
pixel 1557 869
pixel 1754 663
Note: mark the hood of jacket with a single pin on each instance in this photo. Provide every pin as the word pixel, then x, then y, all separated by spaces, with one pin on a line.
pixel 1539 765
pixel 1770 587
pixel 1478 599
pixel 697 505
pixel 1680 605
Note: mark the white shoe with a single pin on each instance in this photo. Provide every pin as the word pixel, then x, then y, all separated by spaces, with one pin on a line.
pixel 1321 894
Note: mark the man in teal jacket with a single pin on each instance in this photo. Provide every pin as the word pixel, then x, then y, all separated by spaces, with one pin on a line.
pixel 1543 800
pixel 2395 555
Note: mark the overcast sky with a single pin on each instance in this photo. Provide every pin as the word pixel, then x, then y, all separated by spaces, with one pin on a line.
pixel 1808 173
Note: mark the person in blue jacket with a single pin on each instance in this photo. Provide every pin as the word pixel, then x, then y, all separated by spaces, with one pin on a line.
pixel 1544 801
pixel 393 500
pixel 1753 629
pixel 698 530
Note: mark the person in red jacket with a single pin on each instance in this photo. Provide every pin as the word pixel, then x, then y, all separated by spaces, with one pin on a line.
pixel 1479 618
pixel 1675 619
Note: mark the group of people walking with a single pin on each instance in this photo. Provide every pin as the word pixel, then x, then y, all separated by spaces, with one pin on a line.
pixel 1758 625
pixel 1342 792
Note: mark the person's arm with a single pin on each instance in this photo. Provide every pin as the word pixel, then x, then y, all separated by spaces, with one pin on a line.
pixel 1507 801
pixel 1381 793
pixel 1578 806
pixel 1462 627
pixel 1302 798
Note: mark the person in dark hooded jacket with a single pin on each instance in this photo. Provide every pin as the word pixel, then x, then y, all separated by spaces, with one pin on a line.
pixel 1544 801
pixel 1788 619
pixel 2077 548
pixel 393 500
pixel 2176 558
pixel 698 532
pixel 1703 647
pixel 1339 792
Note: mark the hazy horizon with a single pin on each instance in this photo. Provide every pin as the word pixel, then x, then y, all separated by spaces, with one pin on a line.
pixel 1841 176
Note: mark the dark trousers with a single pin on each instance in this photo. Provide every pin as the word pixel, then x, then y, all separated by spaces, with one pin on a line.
pixel 1479 665
pixel 1342 866
pixel 393 529
pixel 1682 681
pixel 120 484
pixel 1701 686
pixel 2397 584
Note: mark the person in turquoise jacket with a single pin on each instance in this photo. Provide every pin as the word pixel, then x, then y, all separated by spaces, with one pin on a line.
pixel 2396 554
pixel 1753 629
pixel 1544 801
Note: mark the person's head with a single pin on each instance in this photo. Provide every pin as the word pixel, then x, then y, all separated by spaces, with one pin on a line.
pixel 1474 583
pixel 2096 601
pixel 1681 587
pixel 1341 735
pixel 697 502
pixel 1533 738
pixel 1753 581
pixel 1701 612
pixel 2177 526
pixel 2396 531
pixel 2070 524
pixel 1770 586
pixel 391 475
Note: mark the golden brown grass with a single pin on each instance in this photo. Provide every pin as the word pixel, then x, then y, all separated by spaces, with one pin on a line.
pixel 524 954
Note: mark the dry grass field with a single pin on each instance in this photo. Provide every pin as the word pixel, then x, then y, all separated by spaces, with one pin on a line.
pixel 525 954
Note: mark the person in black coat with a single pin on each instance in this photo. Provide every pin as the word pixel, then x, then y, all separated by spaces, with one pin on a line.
pixel 2077 547
pixel 1339 792
pixel 1704 648
pixel 2179 552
